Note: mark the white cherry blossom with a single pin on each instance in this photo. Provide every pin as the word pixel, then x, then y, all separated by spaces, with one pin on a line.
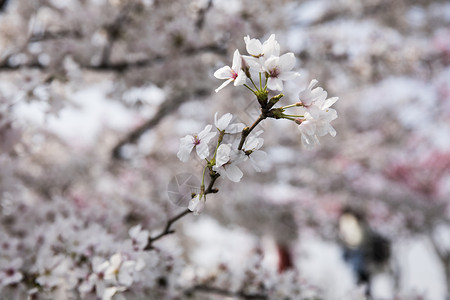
pixel 10 271
pixel 199 142
pixel 227 162
pixel 317 125
pixel 223 124
pixel 252 145
pixel 314 100
pixel 119 270
pixel 139 237
pixel 317 114
pixel 235 73
pixel 279 70
pixel 259 52
pixel 197 204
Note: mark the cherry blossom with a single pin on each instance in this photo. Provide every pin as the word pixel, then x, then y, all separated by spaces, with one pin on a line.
pixel 199 142
pixel 260 52
pixel 10 271
pixel 197 204
pixel 223 124
pixel 235 73
pixel 227 162
pixel 256 156
pixel 314 100
pixel 139 237
pixel 279 70
pixel 312 127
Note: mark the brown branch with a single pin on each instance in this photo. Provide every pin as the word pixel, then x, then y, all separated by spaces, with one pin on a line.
pixel 165 108
pixel 55 35
pixel 210 189
pixel 202 15
pixel 247 130
pixel 167 230
pixel 223 292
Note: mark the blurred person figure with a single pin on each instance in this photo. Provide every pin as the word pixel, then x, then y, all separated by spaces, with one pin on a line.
pixel 366 251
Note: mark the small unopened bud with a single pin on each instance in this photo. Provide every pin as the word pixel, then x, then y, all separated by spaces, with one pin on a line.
pixel 274 100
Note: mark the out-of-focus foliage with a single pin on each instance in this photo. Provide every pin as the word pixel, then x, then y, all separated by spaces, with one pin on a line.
pixel 95 94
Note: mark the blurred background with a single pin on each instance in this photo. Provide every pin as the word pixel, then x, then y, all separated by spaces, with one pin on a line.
pixel 95 95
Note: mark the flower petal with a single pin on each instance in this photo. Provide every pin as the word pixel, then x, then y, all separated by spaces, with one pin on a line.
pixel 274 84
pixel 234 173
pixel 223 154
pixel 237 61
pixel 289 75
pixel 253 46
pixel 287 61
pixel 224 73
pixel 223 122
pixel 224 85
pixel 202 150
pixel 240 79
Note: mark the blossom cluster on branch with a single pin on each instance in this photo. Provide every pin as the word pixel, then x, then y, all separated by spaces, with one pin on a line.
pixel 262 72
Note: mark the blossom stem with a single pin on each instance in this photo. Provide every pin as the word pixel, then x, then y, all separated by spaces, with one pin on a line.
pixel 247 130
pixel 295 116
pixel 210 189
pixel 260 81
pixel 202 187
pixel 250 89
pixel 289 106
pixel 253 84
pixel 167 230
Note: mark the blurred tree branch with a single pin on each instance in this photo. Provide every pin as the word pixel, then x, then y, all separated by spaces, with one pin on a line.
pixel 223 292
pixel 3 4
pixel 165 108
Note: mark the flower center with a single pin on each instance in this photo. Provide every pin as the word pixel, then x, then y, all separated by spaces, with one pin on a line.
pixel 274 72
pixel 196 141
pixel 234 75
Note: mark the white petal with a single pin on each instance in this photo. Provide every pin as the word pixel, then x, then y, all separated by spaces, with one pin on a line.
pixel 287 61
pixel 223 122
pixel 125 278
pixel 223 154
pixel 312 84
pixel 330 102
pixel 251 61
pixel 332 131
pixel 234 173
pixel 271 63
pixel 208 137
pixel 202 150
pixel 257 158
pixel 307 127
pixel 289 75
pixel 240 79
pixel 224 85
pixel 186 146
pixel 224 73
pixel 237 61
pixel 235 128
pixel 275 84
pixel 204 132
pixel 271 47
pixel 253 46
pixel 134 231
pixel 196 205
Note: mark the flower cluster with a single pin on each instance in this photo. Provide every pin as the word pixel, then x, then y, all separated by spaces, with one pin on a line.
pixel 265 65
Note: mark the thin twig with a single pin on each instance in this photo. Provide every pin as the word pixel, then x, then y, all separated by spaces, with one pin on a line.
pixel 167 230
pixel 223 292
pixel 247 130
pixel 164 109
